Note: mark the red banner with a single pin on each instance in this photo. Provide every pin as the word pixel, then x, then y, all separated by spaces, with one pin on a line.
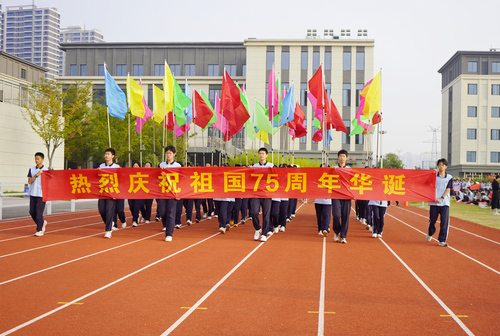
pixel 240 182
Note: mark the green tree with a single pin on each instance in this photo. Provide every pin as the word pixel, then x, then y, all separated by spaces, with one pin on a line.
pixel 391 160
pixel 52 116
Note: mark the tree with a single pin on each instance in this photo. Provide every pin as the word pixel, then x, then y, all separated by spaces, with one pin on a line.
pixel 391 160
pixel 52 116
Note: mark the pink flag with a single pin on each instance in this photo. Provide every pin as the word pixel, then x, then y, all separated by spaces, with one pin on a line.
pixel 272 95
pixel 220 125
pixel 148 114
pixel 182 129
pixel 318 114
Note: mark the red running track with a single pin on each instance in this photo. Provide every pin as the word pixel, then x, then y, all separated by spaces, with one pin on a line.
pixel 73 281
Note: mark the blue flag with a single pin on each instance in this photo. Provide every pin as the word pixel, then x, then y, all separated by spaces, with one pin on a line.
pixel 288 108
pixel 115 98
pixel 189 111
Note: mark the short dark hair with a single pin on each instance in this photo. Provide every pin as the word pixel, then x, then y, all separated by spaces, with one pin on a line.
pixel 40 154
pixel 342 151
pixel 263 149
pixel 149 164
pixel 170 148
pixel 111 150
pixel 443 161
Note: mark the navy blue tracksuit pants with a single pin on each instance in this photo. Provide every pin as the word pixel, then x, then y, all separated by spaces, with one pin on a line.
pixel 340 212
pixel 444 213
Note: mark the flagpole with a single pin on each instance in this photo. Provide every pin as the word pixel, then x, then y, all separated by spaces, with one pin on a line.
pixel 107 109
pixel 194 125
pixel 154 142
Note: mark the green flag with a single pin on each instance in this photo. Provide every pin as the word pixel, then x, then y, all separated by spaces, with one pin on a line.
pixel 261 119
pixel 207 101
pixel 181 102
pixel 250 130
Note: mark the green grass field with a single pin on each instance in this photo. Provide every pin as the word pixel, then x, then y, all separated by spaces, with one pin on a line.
pixel 472 213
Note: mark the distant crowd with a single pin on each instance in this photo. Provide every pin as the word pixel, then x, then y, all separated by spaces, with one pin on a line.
pixel 482 194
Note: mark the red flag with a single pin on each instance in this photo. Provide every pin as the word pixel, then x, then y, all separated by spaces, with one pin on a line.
pixel 232 107
pixel 317 88
pixel 298 117
pixel 336 121
pixel 318 136
pixel 170 121
pixel 376 118
pixel 299 132
pixel 203 113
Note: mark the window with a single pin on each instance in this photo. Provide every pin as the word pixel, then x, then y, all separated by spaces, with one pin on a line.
pixel 472 89
pixel 495 67
pixel 303 60
pixel 303 94
pixel 495 112
pixel 346 139
pixel 359 88
pixel 315 60
pixel 213 70
pixel 83 69
pixel 471 134
pixel 244 70
pixel 285 60
pixel 360 60
pixel 495 89
pixel 328 89
pixel 347 60
pixel 303 139
pixel 359 139
pixel 328 60
pixel 231 69
pixel 100 70
pixel 175 69
pixel 471 156
pixel 72 70
pixel 211 95
pixel 346 94
pixel 472 66
pixel 495 134
pixel 121 69
pixel 495 157
pixel 189 70
pixel 472 111
pixel 23 73
pixel 269 60
pixel 137 70
pixel 159 70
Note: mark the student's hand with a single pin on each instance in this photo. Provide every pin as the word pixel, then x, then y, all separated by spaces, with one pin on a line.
pixel 39 173
pixel 438 200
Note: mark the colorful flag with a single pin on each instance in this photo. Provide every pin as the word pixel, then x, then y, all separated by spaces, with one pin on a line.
pixel 249 128
pixel 168 88
pixel 232 107
pixel 135 95
pixel 373 97
pixel 262 135
pixel 214 116
pixel 272 95
pixel 336 121
pixel 288 108
pixel 158 104
pixel 116 101
pixel 221 123
pixel 317 88
pixel 203 112
pixel 189 110
pixel 318 113
pixel 261 121
pixel 147 114
pixel 181 102
pixel 318 136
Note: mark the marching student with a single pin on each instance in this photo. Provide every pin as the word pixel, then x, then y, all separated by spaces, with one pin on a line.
pixel 379 209
pixel 323 207
pixel 107 207
pixel 441 206
pixel 148 203
pixel 494 195
pixel 210 202
pixel 275 213
pixel 222 206
pixel 135 205
pixel 256 203
pixel 37 205
pixel 169 205
pixel 341 208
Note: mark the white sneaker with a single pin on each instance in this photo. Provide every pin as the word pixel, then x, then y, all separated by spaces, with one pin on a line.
pixel 134 224
pixel 168 238
pixel 443 244
pixel 257 234
pixel 249 218
pixel 293 216
pixel 44 225
pixel 276 230
pixel 288 219
pixel 124 225
pixel 374 235
pixel 242 221
pixel 370 228
pixel 428 238
pixel 216 216
pixel 178 226
pixel 363 222
pixel 107 234
pixel 209 217
pixel 204 215
pixel 114 228
pixel 270 233
pixel 222 230
pixel 325 233
pixel 379 235
pixel 263 238
pixel 147 222
pixel 188 222
pixel 164 228
pixel 282 229
pixel 320 233
pixel 343 241
pixel 228 226
pixel 38 233
pixel 336 237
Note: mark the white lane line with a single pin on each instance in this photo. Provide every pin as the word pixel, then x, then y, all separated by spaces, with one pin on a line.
pixel 52 231
pixel 59 214
pixel 51 222
pixel 451 248
pixel 451 226
pixel 321 310
pixel 81 298
pixel 441 303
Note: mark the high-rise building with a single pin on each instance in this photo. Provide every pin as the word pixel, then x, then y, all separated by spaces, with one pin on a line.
pixel 32 33
pixel 77 34
pixel 347 64
pixel 470 113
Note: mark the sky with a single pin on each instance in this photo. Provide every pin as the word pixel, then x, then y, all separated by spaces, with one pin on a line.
pixel 412 40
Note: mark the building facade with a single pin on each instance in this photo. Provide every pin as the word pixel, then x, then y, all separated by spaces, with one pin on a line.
pixel 347 63
pixel 32 33
pixel 77 34
pixel 470 136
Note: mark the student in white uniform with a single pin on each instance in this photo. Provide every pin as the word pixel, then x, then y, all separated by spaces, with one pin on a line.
pixel 256 203
pixel 107 207
pixel 169 205
pixel 37 205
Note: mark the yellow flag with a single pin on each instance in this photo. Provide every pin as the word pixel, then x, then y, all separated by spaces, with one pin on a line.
pixel 168 88
pixel 158 104
pixel 262 136
pixel 135 95
pixel 373 98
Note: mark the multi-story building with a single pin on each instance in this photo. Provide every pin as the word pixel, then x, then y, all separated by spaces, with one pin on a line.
pixel 32 33
pixel 470 89
pixel 347 64
pixel 77 34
